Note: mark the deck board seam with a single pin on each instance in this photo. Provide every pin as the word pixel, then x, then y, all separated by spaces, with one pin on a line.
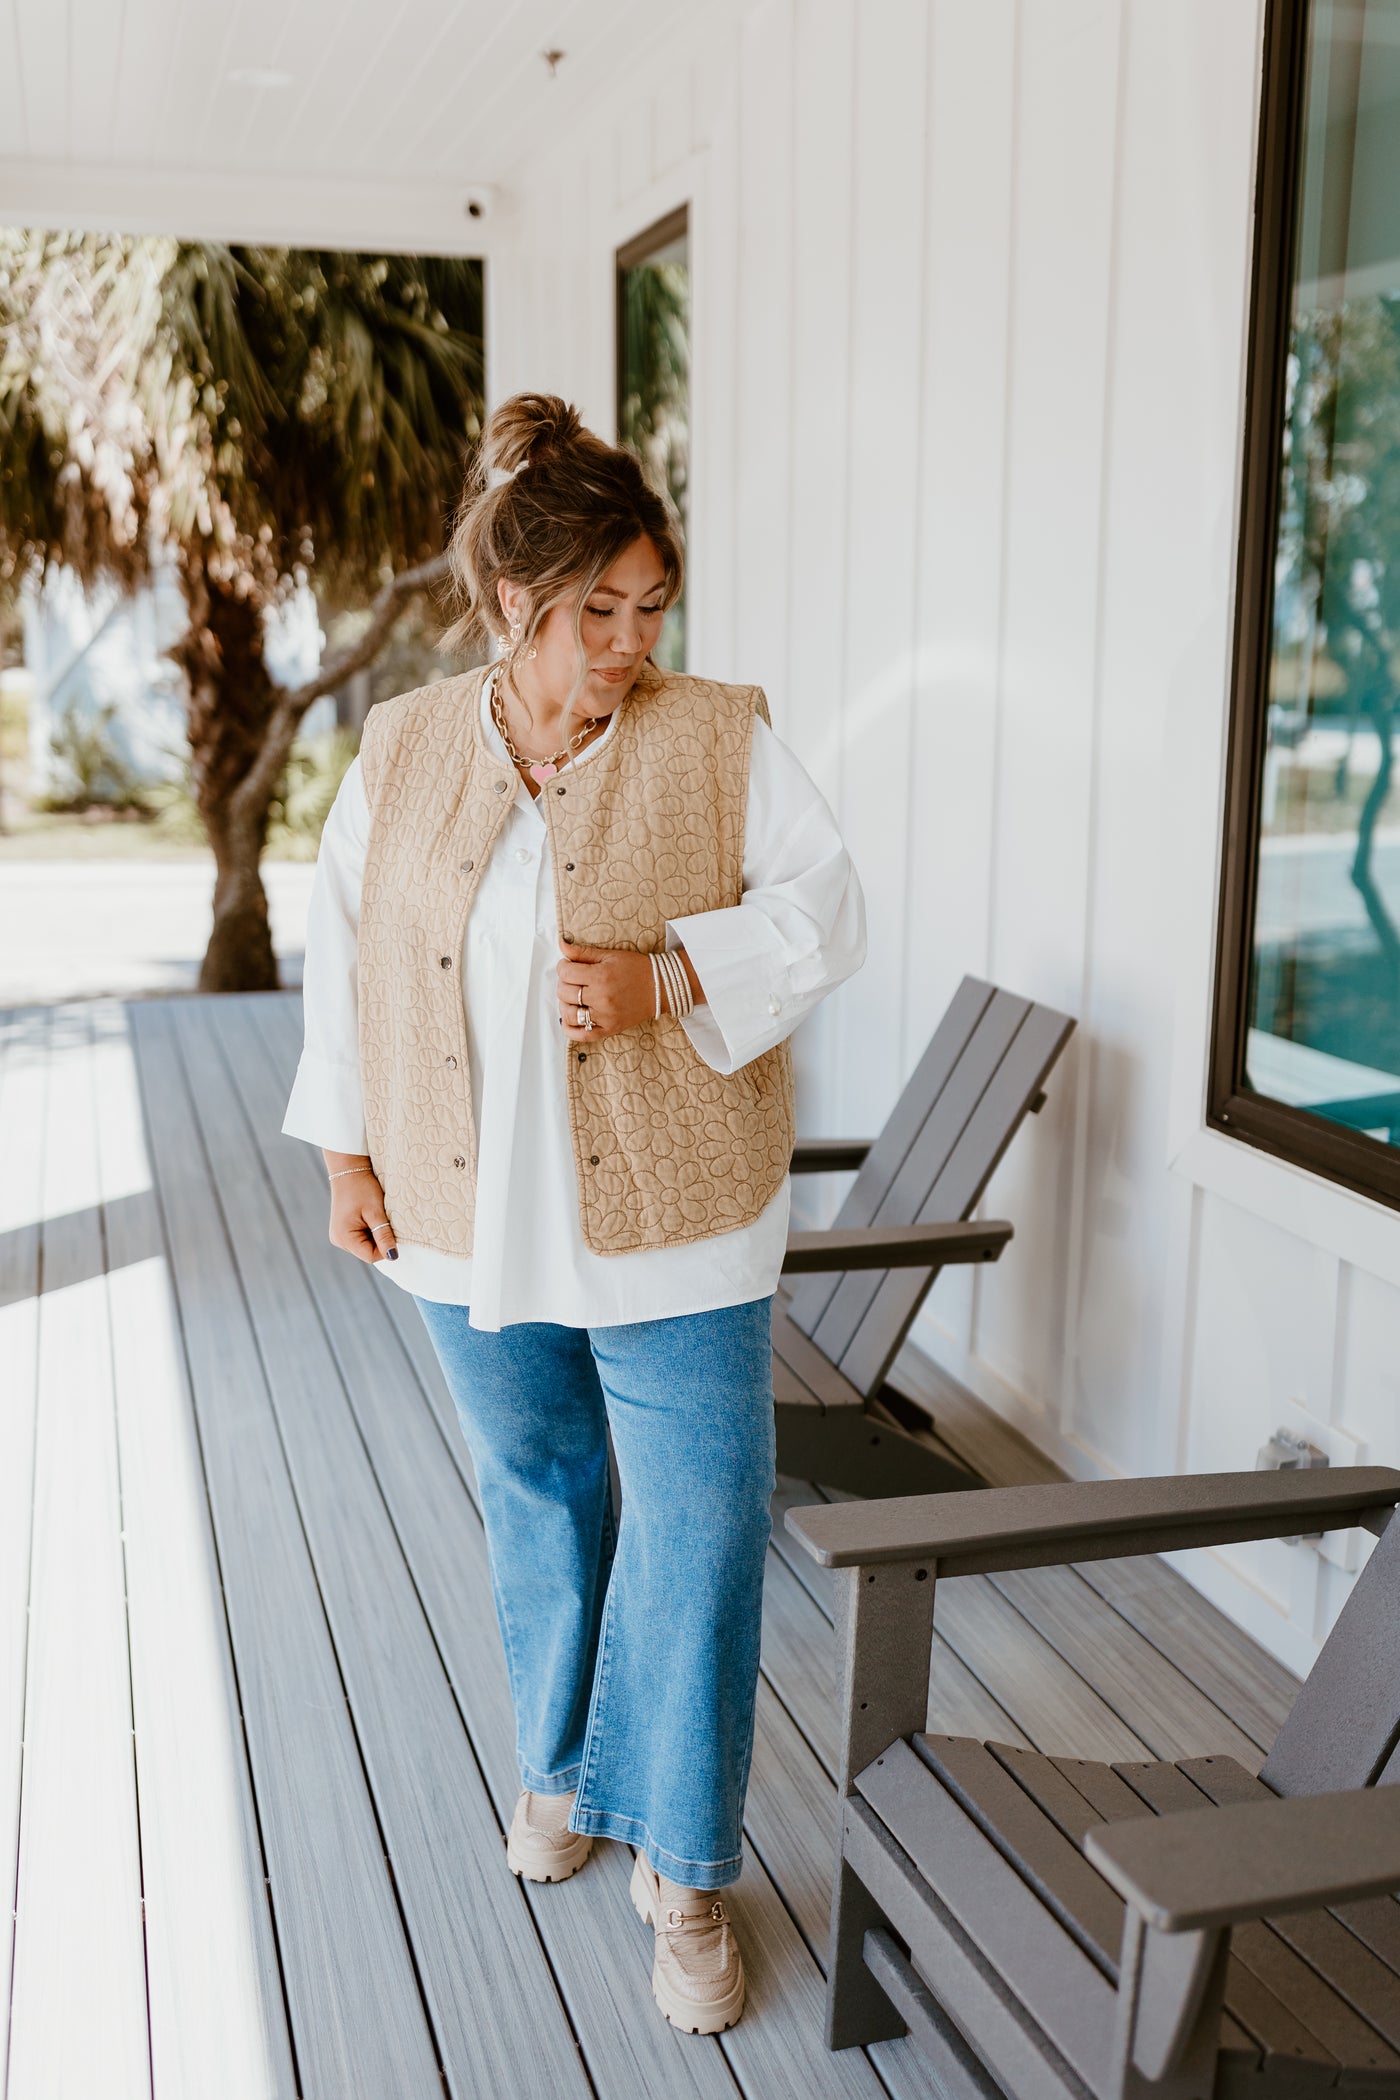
pixel 22 1675
pixel 327 1329
pixel 245 1747
pixel 165 1023
pixel 313 1562
pixel 535 1900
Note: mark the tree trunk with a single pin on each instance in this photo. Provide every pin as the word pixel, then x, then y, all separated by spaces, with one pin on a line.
pixel 239 957
pixel 232 704
pixel 242 728
pixel 1382 713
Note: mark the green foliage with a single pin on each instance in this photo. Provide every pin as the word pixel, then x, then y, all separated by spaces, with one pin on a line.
pixel 298 810
pixel 90 767
pixel 339 396
pixel 269 412
pixel 1340 542
pixel 654 409
pixel 80 318
pixel 653 417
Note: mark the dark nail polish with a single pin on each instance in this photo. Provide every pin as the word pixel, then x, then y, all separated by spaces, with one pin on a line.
pixel 393 1254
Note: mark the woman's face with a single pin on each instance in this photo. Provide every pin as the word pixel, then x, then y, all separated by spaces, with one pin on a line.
pixel 619 623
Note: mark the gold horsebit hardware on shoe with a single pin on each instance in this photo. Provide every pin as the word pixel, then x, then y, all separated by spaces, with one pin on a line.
pixel 717 1915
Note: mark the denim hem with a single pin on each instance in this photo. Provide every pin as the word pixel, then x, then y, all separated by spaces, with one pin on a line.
pixel 688 1873
pixel 550 1782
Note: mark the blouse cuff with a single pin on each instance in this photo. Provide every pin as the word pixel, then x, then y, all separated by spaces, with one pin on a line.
pixel 749 1003
pixel 326 1105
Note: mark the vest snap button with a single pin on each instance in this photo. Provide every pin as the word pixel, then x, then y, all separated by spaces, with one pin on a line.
pixel 459 1161
pixel 446 961
pixel 568 867
pixel 451 1064
pixel 501 787
pixel 592 1159
pixel 561 791
pixel 583 1057
pixel 568 937
pixel 467 866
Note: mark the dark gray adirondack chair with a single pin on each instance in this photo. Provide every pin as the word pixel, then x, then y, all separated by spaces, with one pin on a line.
pixel 1055 1929
pixel 837 1332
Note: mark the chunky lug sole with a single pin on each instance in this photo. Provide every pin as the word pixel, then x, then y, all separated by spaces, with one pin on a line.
pixel 680 2011
pixel 560 1864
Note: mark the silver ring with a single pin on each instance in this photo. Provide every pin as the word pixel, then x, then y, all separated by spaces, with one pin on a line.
pixel 582 1019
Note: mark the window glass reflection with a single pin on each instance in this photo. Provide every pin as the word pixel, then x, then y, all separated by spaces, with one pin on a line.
pixel 1324 992
pixel 653 386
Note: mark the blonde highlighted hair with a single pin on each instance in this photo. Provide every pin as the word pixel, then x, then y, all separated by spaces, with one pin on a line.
pixel 548 507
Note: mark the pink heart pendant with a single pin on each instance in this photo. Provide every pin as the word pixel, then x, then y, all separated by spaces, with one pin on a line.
pixel 542 772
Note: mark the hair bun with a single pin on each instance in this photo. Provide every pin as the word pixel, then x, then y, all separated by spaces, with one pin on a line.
pixel 525 430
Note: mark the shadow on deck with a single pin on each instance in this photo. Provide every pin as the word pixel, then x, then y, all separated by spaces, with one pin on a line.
pixel 255 1737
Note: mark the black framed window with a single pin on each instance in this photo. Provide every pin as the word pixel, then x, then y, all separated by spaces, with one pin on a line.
pixel 1306 1057
pixel 653 377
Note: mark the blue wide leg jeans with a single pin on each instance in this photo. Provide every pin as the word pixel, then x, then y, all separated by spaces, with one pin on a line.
pixel 633 1658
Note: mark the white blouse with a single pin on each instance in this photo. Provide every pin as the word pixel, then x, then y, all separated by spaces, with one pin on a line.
pixel 765 963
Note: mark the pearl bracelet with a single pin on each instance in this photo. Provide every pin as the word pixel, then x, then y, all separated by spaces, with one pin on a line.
pixel 668 968
pixel 682 999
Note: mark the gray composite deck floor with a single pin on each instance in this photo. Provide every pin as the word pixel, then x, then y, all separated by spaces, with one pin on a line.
pixel 255 1742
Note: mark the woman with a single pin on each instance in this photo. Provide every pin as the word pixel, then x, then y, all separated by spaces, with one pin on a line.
pixel 567 912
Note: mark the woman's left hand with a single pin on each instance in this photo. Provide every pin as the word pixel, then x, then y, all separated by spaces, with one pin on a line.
pixel 614 984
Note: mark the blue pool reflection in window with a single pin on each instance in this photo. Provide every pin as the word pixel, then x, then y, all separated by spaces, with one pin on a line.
pixel 1324 990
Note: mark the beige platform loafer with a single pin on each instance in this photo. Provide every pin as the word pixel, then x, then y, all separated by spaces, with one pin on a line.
pixel 697 1975
pixel 541 1846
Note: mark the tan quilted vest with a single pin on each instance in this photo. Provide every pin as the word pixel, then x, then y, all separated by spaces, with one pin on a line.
pixel 651 828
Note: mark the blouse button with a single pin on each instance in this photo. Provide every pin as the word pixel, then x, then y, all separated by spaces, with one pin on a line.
pixel 446 961
pixel 451 1064
pixel 459 1161
pixel 522 854
pixel 775 1006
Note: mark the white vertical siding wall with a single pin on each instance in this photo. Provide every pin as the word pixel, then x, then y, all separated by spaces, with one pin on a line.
pixel 970 292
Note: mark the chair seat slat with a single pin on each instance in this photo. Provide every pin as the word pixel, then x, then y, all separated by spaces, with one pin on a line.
pixel 1041 1854
pixel 1255 2019
pixel 806 1360
pixel 1062 1989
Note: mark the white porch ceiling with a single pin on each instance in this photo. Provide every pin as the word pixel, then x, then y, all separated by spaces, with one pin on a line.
pixel 300 119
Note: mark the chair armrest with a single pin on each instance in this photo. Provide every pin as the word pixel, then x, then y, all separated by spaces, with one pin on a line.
pixel 829 1155
pixel 986 1529
pixel 894 1246
pixel 1208 1867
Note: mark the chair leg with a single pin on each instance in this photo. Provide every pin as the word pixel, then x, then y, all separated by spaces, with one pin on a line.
pixel 863 1453
pixel 857 2010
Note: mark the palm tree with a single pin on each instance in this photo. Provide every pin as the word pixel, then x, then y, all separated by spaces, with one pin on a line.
pixel 270 417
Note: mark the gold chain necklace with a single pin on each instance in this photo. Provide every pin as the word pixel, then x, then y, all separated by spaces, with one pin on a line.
pixel 539 769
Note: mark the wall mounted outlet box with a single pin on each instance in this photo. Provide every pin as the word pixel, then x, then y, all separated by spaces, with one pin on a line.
pixel 1288 1450
pixel 1301 1441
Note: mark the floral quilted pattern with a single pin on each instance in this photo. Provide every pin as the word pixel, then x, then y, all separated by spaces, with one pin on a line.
pixel 667 1150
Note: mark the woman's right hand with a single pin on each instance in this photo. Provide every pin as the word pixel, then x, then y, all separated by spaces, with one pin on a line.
pixel 359 1222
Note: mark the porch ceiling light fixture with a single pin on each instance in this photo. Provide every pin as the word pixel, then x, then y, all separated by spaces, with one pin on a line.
pixel 259 77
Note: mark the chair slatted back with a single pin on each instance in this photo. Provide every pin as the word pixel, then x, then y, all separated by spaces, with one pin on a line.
pixel 1343 1728
pixel 962 1106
